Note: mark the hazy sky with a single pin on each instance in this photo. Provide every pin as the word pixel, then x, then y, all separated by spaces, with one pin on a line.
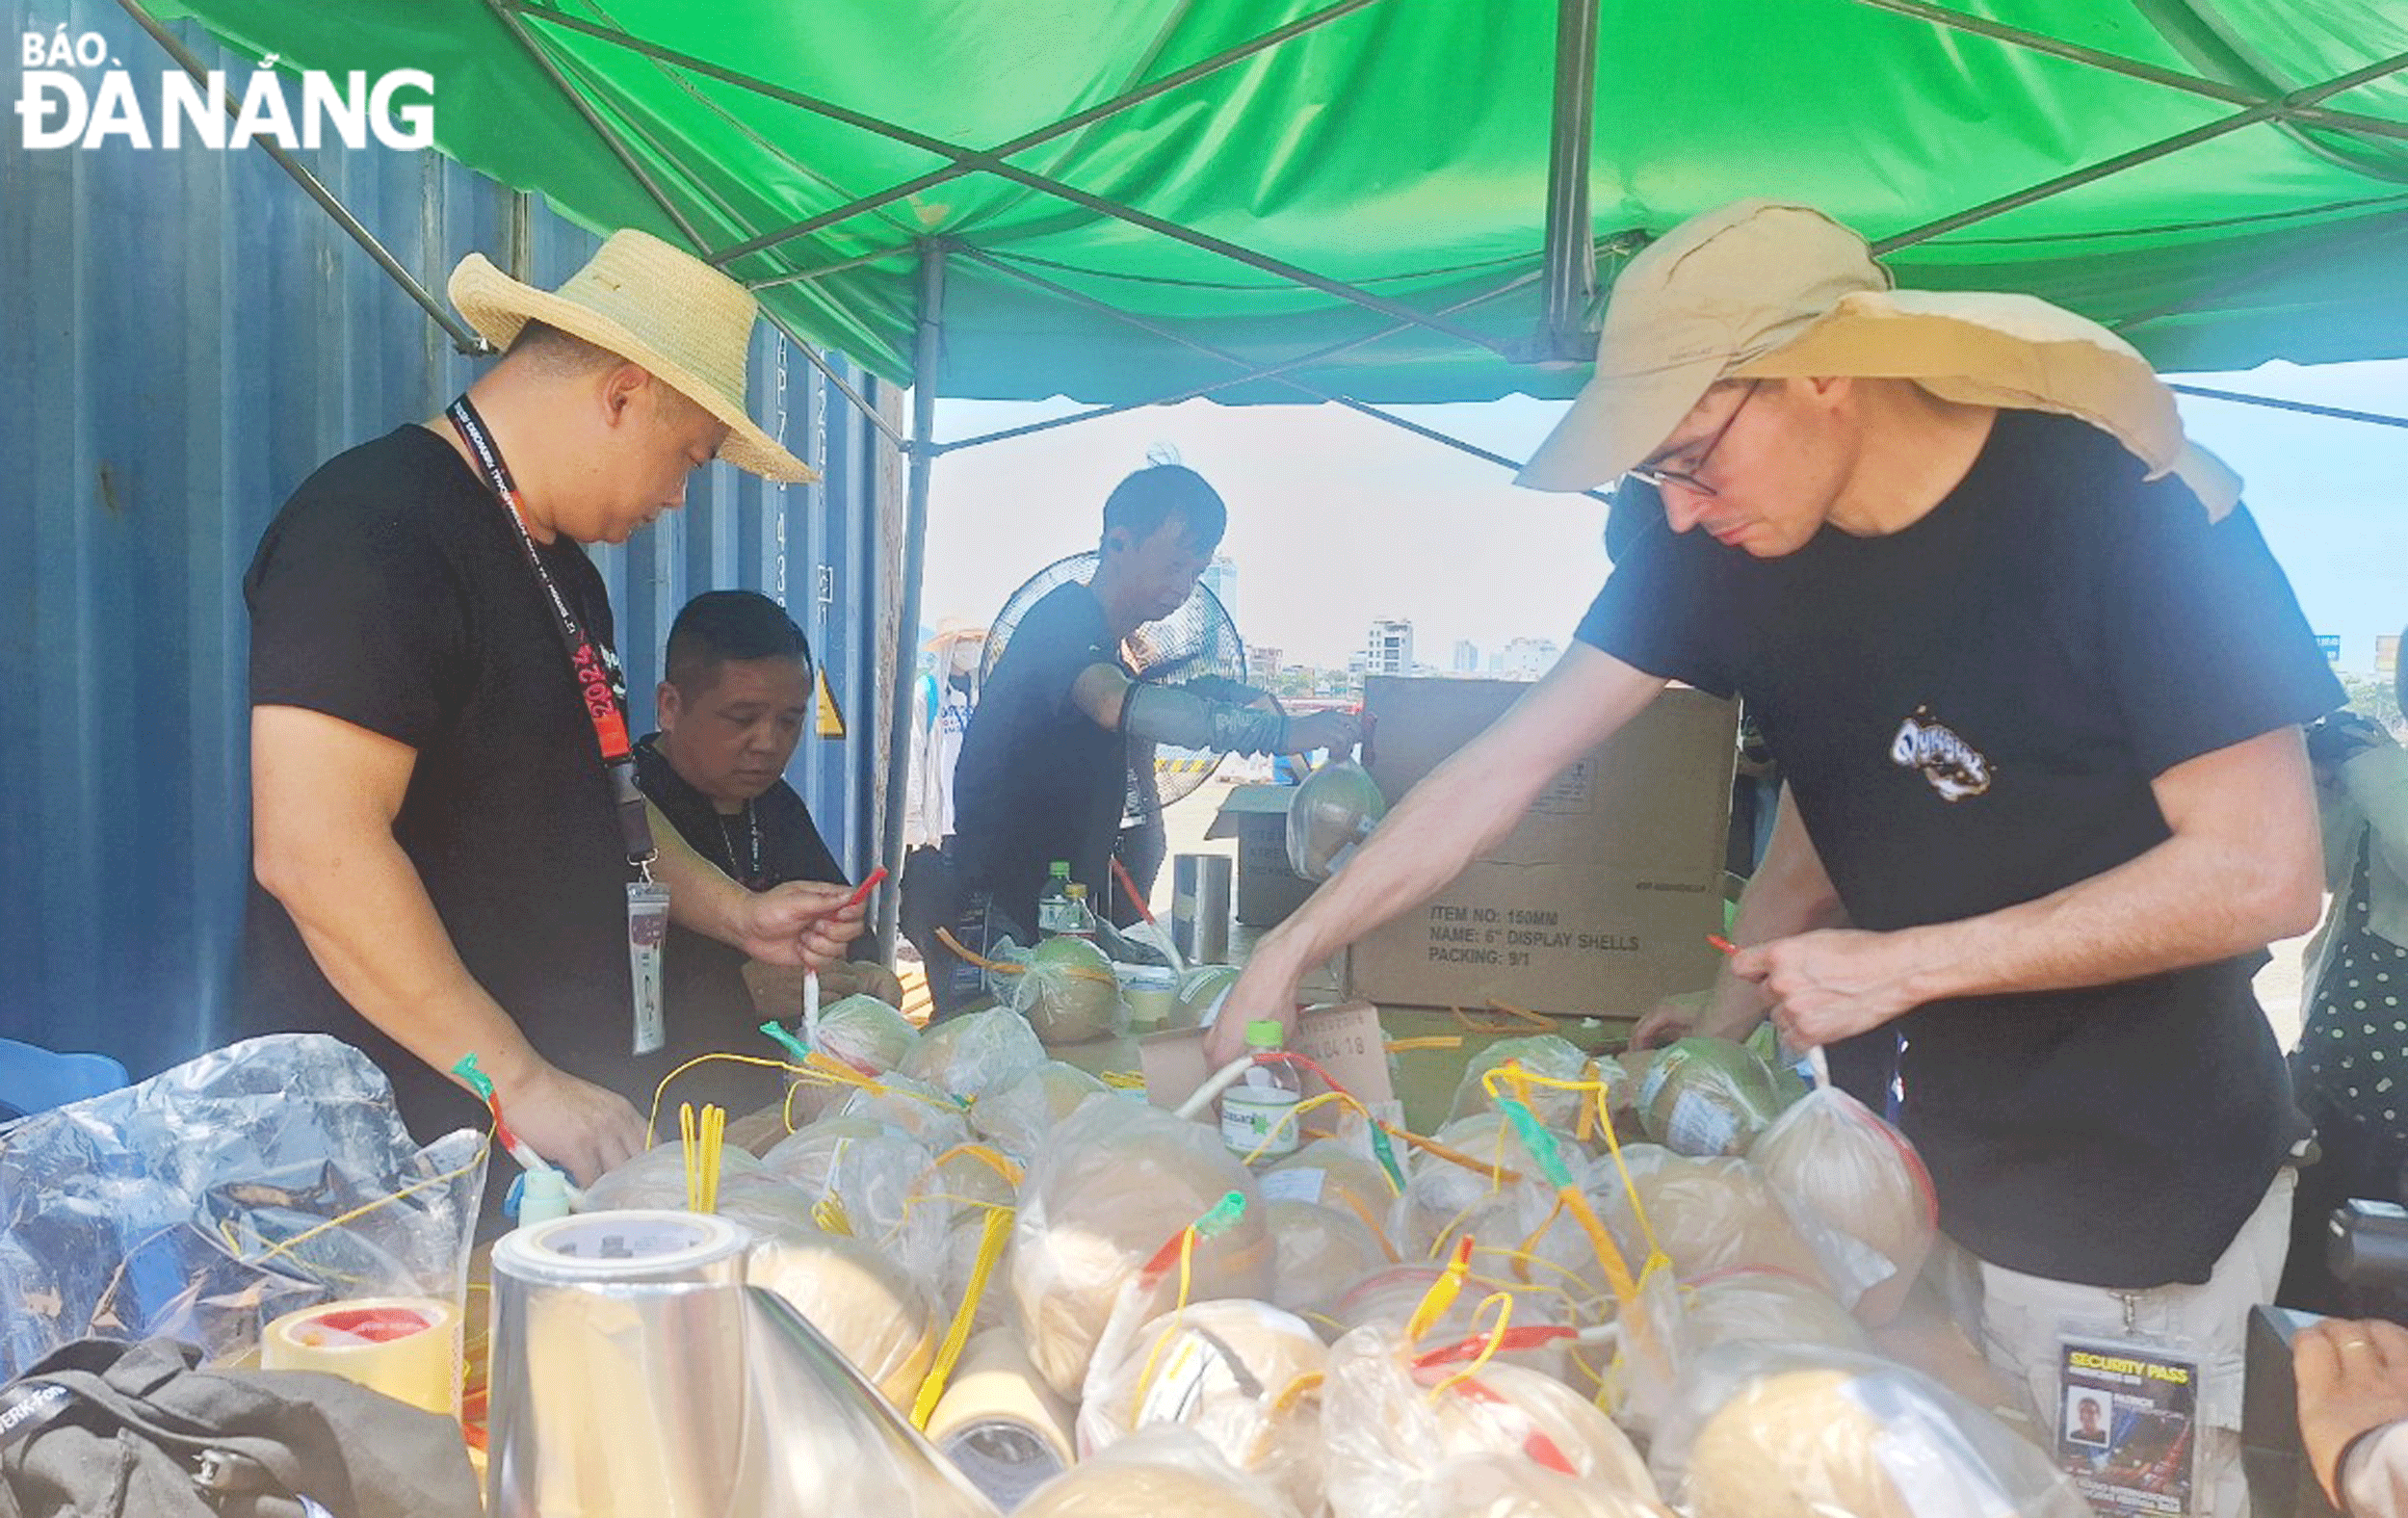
pixel 1336 518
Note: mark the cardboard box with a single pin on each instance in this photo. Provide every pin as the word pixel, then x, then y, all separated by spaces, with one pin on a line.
pixel 1257 817
pixel 1599 901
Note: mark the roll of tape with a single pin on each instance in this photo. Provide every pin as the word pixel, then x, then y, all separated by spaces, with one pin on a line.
pixel 408 1347
pixel 999 1423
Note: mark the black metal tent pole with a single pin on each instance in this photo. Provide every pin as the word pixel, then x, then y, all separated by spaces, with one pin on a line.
pixel 1043 135
pixel 2277 403
pixel 927 363
pixel 463 338
pixel 661 197
pixel 1318 356
pixel 1313 392
pixel 2161 149
pixel 969 159
pixel 1571 261
pixel 2288 111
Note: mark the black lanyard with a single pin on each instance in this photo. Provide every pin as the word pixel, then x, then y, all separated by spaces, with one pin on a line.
pixel 598 685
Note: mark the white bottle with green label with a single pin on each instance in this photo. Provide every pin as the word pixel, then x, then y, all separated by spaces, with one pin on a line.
pixel 1258 1113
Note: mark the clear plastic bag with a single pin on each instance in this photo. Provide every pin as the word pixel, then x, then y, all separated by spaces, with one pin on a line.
pixel 1159 1473
pixel 1317 1252
pixel 1387 1298
pixel 1758 1306
pixel 1707 1096
pixel 198 1203
pixel 865 1181
pixel 904 1105
pixel 863 1302
pixel 1783 1431
pixel 1507 1486
pixel 976 1053
pixel 656 1178
pixel 1394 1415
pixel 1832 1160
pixel 1016 1116
pixel 1228 1370
pixel 866 1034
pixel 1542 1053
pixel 1329 816
pixel 1114 1182
pixel 1068 993
pixel 1707 1214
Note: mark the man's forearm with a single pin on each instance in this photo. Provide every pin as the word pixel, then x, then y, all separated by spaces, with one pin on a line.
pixel 364 914
pixel 701 897
pixel 1789 893
pixel 2186 902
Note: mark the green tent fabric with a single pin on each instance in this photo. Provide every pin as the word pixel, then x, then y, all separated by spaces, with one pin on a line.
pixel 1401 148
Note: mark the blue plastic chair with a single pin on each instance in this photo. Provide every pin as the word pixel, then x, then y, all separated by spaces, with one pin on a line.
pixel 34 1079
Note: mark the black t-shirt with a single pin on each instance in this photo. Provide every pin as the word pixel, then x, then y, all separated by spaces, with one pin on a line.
pixel 1970 713
pixel 1038 779
pixel 391 592
pixel 774 843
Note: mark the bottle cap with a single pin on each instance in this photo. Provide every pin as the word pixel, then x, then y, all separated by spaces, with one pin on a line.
pixel 1059 867
pixel 1265 1032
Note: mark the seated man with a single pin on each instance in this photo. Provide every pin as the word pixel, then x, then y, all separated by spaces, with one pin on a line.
pixel 1044 774
pixel 738 692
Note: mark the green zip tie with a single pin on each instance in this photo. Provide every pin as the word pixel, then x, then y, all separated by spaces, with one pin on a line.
pixel 477 1080
pixel 1224 1217
pixel 1537 1140
pixel 1386 1154
pixel 788 1041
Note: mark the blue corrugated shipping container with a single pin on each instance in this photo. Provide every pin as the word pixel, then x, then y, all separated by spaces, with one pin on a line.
pixel 184 335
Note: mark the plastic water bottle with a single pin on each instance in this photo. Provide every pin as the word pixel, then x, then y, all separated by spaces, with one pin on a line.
pixel 1053 904
pixel 1078 917
pixel 1258 1113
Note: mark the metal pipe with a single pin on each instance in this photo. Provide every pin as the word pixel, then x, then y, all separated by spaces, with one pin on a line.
pixel 2161 149
pixel 2310 407
pixel 2131 68
pixel 463 337
pixel 1571 260
pixel 1043 135
pixel 927 359
pixel 1207 349
pixel 968 159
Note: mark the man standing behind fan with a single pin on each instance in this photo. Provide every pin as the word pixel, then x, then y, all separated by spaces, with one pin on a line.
pixel 1044 770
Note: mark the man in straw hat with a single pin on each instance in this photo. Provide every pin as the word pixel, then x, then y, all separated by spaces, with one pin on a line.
pixel 454 855
pixel 2036 685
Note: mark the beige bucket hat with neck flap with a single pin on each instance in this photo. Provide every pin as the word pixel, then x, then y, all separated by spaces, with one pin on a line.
pixel 652 305
pixel 1771 288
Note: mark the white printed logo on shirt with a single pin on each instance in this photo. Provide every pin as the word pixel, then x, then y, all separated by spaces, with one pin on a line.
pixel 1955 768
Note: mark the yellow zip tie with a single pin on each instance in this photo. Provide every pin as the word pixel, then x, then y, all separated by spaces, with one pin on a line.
pixel 1380 1231
pixel 991 1241
pixel 1441 1295
pixel 829 1211
pixel 1428 1041
pixel 686 1150
pixel 1502 1301
pixel 993 1158
pixel 1124 1080
pixel 1541 1019
pixel 1006 967
pixel 1296 1391
pixel 1530 1245
pixel 1589 1117
pixel 1178 1312
pixel 484 1151
pixel 660 1093
pixel 1296 1114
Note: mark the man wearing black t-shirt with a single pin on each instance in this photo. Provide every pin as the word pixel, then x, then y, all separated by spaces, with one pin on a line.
pixel 1044 768
pixel 2036 685
pixel 735 695
pixel 444 820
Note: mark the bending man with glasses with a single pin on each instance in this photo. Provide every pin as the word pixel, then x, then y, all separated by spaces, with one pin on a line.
pixel 2036 685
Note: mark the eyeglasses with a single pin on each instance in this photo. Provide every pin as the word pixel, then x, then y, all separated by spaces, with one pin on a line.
pixel 1687 479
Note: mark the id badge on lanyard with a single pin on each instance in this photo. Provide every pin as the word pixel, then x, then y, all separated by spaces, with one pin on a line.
pixel 2128 1424
pixel 600 694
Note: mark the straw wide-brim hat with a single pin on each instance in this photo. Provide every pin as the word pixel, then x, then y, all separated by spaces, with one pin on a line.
pixel 1767 289
pixel 683 320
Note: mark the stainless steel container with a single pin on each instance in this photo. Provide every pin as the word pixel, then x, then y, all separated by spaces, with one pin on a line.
pixel 1199 907
pixel 635 1373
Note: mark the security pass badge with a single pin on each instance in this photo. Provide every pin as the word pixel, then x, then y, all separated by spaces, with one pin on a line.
pixel 647 928
pixel 2128 1426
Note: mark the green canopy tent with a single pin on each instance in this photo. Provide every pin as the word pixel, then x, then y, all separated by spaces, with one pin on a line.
pixel 1380 202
